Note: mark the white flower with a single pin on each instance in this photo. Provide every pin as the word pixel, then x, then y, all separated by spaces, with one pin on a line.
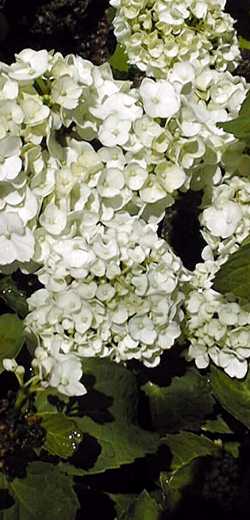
pixel 110 182
pixel 170 176
pixel 135 175
pixel 159 98
pixel 16 241
pixel 217 329
pixel 53 219
pixel 35 112
pixel 29 65
pixel 10 162
pixel 114 131
pixel 66 371
pixel 222 222
pixel 66 92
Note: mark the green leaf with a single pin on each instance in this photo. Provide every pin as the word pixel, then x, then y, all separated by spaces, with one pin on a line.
pixel 14 298
pixel 234 275
pixel 187 450
pixel 112 401
pixel 45 494
pixel 233 394
pixel 144 507
pixel 233 448
pixel 217 425
pixel 186 446
pixel 62 434
pixel 175 483
pixel 244 44
pixel 140 507
pixel 239 127
pixel 48 399
pixel 11 337
pixel 117 385
pixel 245 107
pixel 122 504
pixel 119 60
pixel 182 405
pixel 119 444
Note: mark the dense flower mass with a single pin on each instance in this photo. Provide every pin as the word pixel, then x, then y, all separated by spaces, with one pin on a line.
pixel 88 165
pixel 219 330
pixel 226 220
pixel 159 33
pixel 114 294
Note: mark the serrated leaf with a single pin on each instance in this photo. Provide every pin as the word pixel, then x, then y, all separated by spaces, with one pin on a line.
pixel 14 298
pixel 107 379
pixel 11 337
pixel 62 434
pixel 239 127
pixel 130 507
pixel 244 44
pixel 186 446
pixel 119 444
pixel 245 107
pixel 234 275
pixel 110 417
pixel 217 425
pixel 182 405
pixel 233 448
pixel 144 507
pixel 233 394
pixel 187 450
pixel 119 60
pixel 173 484
pixel 45 494
pixel 122 503
pixel 47 400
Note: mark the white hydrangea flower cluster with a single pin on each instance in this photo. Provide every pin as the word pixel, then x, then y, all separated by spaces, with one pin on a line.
pixel 226 220
pixel 158 33
pixel 117 296
pixel 88 165
pixel 219 330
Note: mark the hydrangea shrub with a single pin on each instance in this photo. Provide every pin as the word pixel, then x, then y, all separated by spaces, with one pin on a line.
pixel 88 166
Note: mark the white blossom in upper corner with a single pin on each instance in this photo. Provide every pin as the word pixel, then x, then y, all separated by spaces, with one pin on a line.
pixel 158 34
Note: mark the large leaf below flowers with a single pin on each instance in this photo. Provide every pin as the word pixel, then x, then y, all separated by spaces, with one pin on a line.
pixel 11 337
pixel 44 494
pixel 233 394
pixel 183 404
pixel 62 434
pixel 187 450
pixel 109 426
pixel 234 275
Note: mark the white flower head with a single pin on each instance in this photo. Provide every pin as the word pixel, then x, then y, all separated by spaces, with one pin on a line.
pixel 16 240
pixel 29 65
pixel 222 222
pixel 159 98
